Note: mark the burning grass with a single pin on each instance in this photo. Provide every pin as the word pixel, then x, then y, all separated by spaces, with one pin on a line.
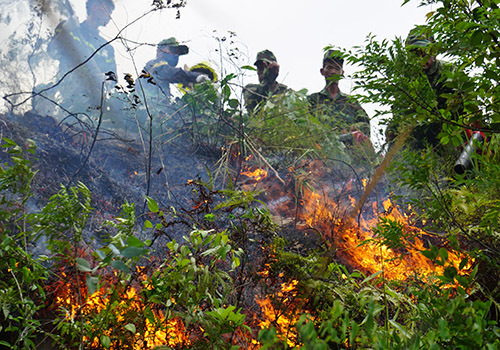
pixel 201 293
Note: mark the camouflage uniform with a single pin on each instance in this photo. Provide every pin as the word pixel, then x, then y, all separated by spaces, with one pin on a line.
pixel 343 113
pixel 254 94
pixel 426 134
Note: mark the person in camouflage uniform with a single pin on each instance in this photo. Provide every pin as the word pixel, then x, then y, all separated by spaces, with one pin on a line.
pixel 267 72
pixel 426 134
pixel 163 68
pixel 71 45
pixel 344 114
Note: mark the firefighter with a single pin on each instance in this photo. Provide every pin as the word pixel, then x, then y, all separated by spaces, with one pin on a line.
pixel 164 71
pixel 267 71
pixel 426 134
pixel 343 113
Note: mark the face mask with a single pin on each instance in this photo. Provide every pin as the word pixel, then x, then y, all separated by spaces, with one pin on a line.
pixel 172 60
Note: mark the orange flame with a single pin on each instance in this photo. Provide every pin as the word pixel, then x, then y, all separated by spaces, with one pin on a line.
pixel 78 303
pixel 283 322
pixel 257 174
pixel 362 250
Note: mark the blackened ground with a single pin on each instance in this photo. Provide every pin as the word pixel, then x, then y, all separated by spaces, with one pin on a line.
pixel 114 172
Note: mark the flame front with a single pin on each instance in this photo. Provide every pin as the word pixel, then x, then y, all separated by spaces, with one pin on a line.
pixel 357 245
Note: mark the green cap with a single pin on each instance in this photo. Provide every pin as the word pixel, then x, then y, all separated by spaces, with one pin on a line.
pixel 173 43
pixel 333 56
pixel 417 37
pixel 265 55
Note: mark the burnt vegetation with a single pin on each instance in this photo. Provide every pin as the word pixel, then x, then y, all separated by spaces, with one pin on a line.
pixel 158 222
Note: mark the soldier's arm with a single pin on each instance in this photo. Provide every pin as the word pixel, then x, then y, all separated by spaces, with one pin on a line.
pixel 362 121
pixel 252 96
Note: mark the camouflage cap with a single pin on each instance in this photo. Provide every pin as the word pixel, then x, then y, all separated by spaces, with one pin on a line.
pixel 417 37
pixel 266 56
pixel 169 42
pixel 173 43
pixel 333 56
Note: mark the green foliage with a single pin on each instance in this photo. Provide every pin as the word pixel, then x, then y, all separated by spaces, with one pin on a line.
pixel 15 185
pixel 340 310
pixel 465 208
pixel 63 219
pixel 213 114
pixel 194 284
pixel 285 124
pixel 21 295
pixel 21 292
pixel 17 176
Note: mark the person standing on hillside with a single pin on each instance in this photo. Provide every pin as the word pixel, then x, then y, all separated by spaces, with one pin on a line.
pixel 267 71
pixel 426 134
pixel 343 113
pixel 163 68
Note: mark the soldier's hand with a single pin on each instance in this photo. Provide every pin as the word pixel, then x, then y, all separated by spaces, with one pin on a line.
pixel 272 71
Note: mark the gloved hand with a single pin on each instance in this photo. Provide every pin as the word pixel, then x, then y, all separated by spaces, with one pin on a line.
pixel 201 78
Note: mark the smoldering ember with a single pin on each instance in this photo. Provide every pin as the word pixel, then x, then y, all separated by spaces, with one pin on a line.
pixel 179 208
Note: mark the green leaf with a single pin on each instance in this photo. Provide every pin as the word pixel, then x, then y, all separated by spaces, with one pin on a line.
pixel 92 283
pixel 477 38
pixel 233 103
pixel 132 252
pixel 113 248
pixel 450 272
pixel 130 327
pixel 133 241
pixel 120 265
pixel 430 254
pixel 105 341
pixel 400 328
pixel 83 265
pixel 372 276
pixel 463 263
pixel 235 263
pixel 8 142
pixel 443 329
pixel 152 205
pixel 443 253
pixel 100 254
pixel 249 68
pixel 464 281
pixel 148 224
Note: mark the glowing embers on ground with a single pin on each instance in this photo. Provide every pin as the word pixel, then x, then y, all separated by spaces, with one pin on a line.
pixel 113 311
